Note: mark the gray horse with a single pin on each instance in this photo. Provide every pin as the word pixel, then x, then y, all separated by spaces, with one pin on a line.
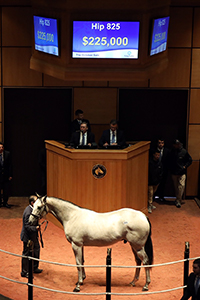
pixel 84 227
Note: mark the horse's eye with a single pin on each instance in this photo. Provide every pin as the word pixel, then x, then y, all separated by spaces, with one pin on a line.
pixel 39 207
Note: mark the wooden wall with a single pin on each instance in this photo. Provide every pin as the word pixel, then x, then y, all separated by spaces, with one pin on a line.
pixel 99 99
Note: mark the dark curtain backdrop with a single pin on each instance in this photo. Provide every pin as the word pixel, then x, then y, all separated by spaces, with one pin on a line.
pixel 32 116
pixel 146 115
pixel 149 114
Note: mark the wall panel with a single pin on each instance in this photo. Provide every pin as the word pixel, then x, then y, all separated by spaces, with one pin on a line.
pixel 196 31
pixel 194 141
pixel 99 104
pixel 52 81
pixel 0 66
pixel 16 26
pixel 192 179
pixel 95 83
pixel 16 70
pixel 195 78
pixel 194 106
pixel 180 27
pixel 178 72
pixel 128 83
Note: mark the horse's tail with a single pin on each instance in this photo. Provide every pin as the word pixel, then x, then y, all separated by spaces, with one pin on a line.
pixel 149 246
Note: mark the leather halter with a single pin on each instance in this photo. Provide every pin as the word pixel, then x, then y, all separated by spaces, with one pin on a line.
pixel 39 216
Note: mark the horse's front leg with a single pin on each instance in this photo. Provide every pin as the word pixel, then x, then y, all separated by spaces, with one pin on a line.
pixel 78 256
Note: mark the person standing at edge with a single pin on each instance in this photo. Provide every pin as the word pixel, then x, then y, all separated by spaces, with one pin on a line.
pixel 5 174
pixel 179 161
pixel 164 158
pixel 193 284
pixel 155 176
pixel 30 232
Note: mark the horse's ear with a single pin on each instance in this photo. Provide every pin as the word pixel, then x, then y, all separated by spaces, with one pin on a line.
pixel 45 199
pixel 37 195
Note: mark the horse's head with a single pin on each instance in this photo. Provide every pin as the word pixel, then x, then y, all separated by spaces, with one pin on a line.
pixel 39 210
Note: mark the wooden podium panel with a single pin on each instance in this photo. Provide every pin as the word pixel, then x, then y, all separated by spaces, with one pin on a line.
pixel 70 176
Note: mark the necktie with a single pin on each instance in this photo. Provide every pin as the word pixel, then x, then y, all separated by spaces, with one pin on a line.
pixel 83 139
pixel 113 137
pixel 197 284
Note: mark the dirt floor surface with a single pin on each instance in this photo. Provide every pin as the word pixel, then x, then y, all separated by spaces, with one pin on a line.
pixel 171 228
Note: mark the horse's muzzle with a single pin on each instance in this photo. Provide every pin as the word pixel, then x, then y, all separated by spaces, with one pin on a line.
pixel 32 220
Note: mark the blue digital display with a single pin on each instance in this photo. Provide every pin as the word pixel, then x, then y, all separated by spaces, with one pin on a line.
pixel 46 35
pixel 96 39
pixel 159 36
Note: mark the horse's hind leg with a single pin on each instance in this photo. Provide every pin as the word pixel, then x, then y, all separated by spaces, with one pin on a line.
pixel 137 270
pixel 83 269
pixel 78 252
pixel 144 258
pixel 148 280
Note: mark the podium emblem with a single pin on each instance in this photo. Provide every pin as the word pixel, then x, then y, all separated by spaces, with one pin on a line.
pixel 99 171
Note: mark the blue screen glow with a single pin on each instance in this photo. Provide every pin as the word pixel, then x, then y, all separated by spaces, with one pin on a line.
pixel 46 35
pixel 159 36
pixel 96 39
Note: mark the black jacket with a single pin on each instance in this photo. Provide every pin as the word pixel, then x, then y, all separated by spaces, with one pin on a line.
pixel 190 290
pixel 155 171
pixel 6 169
pixel 76 138
pixel 179 161
pixel 121 141
pixel 29 232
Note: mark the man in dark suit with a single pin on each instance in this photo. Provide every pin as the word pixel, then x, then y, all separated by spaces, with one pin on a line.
pixel 112 136
pixel 5 174
pixel 180 160
pixel 193 285
pixel 30 232
pixel 82 137
pixel 164 158
pixel 75 124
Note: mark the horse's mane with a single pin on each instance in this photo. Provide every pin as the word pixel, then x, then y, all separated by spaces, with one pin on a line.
pixel 69 202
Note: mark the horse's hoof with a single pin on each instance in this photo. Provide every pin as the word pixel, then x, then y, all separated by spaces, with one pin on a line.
pixel 76 290
pixel 132 283
pixel 145 289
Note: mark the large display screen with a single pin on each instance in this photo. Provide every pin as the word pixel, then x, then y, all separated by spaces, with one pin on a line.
pixel 46 35
pixel 106 39
pixel 159 35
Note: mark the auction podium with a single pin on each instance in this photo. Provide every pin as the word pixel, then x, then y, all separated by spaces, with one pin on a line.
pixel 98 179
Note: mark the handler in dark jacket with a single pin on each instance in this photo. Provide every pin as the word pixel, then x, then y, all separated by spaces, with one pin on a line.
pixel 193 284
pixel 30 232
pixel 155 176
pixel 180 160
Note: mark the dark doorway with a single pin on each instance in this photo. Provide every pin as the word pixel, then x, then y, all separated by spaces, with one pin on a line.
pixel 32 116
pixel 146 115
